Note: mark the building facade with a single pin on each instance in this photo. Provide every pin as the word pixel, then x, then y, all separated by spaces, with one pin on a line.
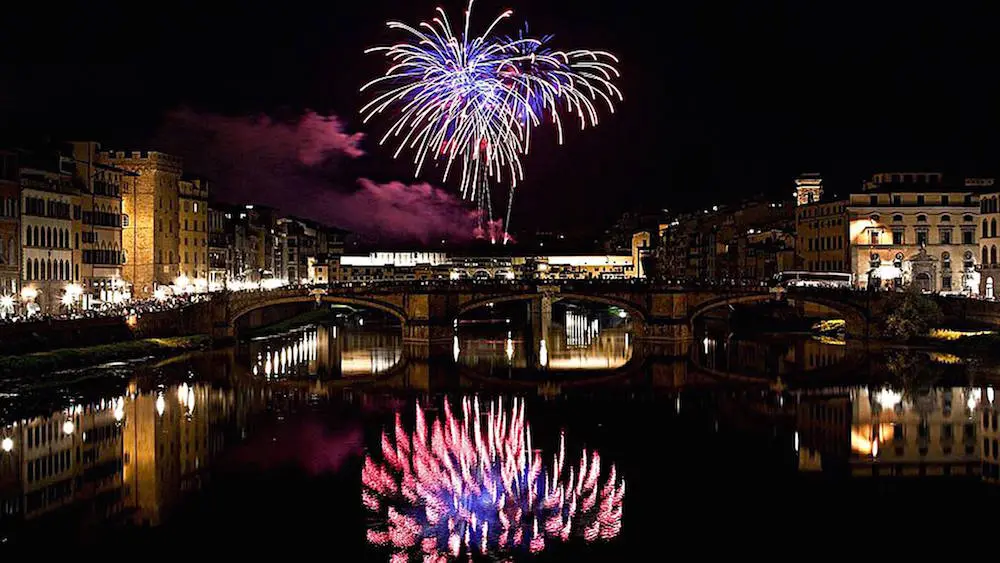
pixel 919 231
pixel 221 245
pixel 151 234
pixel 821 228
pixel 10 221
pixel 989 240
pixel 97 226
pixel 193 223
pixel 47 203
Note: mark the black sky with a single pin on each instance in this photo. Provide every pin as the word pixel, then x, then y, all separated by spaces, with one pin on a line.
pixel 721 99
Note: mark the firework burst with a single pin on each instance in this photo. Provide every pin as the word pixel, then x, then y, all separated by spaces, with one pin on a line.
pixel 473 100
pixel 473 485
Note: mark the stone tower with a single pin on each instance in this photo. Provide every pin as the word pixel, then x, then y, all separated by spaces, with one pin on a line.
pixel 151 230
pixel 808 188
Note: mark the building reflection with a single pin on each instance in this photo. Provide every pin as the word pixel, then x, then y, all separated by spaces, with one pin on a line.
pixel 887 432
pixel 130 457
pixel 326 352
pixel 583 341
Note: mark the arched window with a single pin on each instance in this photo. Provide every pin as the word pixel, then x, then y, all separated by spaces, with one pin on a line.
pixel 993 255
pixel 897 218
pixel 48 237
pixel 986 255
pixel 27 236
pixel 48 269
pixel 993 227
pixel 38 270
pixel 38 241
pixel 921 218
pixel 986 228
pixel 989 288
pixel 946 218
pixel 968 218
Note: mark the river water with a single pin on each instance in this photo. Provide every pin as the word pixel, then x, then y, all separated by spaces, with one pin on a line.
pixel 587 445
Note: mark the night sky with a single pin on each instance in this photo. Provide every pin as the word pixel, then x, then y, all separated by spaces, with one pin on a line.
pixel 722 100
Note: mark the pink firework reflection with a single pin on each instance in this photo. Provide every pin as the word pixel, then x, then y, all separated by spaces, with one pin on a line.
pixel 475 486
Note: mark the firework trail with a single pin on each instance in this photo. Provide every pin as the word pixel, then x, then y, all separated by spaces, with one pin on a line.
pixel 473 100
pixel 472 485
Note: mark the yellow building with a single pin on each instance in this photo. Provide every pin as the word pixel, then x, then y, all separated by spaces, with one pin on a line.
pixel 821 228
pixel 151 234
pixel 919 231
pixel 193 221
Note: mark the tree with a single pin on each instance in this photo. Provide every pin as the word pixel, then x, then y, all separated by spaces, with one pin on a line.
pixel 909 314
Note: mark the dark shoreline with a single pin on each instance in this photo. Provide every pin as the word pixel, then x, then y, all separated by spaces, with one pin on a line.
pixel 74 358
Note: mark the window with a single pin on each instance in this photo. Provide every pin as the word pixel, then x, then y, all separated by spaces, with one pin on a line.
pixel 920 199
pixel 897 200
pixel 946 218
pixel 873 235
pixel 874 200
pixel 185 206
pixel 945 236
pixel 946 283
pixel 897 218
pixel 921 238
pixel 897 237
pixel 967 237
pixel 968 218
pixel 125 220
pixel 196 207
pixel 993 255
pixel 921 218
pixel 946 260
pixel 945 200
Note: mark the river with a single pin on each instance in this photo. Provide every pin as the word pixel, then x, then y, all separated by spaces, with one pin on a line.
pixel 575 442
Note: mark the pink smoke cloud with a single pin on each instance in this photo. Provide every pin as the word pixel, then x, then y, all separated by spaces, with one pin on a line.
pixel 294 166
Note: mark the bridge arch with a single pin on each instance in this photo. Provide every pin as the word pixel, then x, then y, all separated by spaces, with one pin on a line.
pixel 634 310
pixel 855 317
pixel 240 309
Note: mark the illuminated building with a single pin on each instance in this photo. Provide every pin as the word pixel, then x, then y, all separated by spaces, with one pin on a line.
pixel 192 210
pixel 821 228
pixel 715 245
pixel 221 245
pixel 97 226
pixel 150 234
pixel 48 199
pixel 912 228
pixel 10 218
pixel 989 238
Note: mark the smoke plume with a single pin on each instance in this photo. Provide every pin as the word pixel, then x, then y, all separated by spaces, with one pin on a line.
pixel 293 165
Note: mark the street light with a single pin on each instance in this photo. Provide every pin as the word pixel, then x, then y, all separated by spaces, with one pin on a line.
pixel 7 444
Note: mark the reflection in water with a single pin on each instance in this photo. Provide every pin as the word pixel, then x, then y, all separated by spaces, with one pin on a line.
pixel 129 456
pixel 580 344
pixel 326 351
pixel 475 485
pixel 882 431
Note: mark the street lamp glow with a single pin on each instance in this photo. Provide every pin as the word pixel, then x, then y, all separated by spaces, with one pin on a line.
pixel 7 444
pixel 622 314
pixel 161 405
pixel 29 293
pixel 160 294
pixel 68 427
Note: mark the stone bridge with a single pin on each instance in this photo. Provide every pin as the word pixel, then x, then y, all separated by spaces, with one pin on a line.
pixel 427 311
